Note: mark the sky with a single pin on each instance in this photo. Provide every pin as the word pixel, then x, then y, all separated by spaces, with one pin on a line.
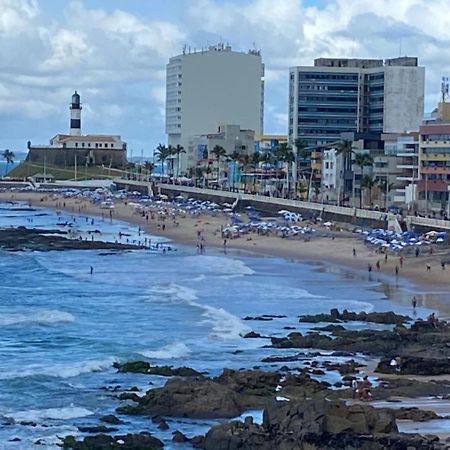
pixel 114 53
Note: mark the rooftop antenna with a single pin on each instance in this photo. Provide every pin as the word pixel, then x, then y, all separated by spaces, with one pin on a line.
pixel 444 88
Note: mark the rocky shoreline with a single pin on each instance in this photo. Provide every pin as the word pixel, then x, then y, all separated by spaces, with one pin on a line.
pixel 299 412
pixel 44 240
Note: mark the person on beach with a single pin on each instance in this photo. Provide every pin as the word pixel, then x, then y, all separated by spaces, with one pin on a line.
pixel 414 303
pixel 378 265
pixel 363 390
pixel 354 252
pixel 396 271
pixel 443 265
pixel 401 261
pixel 417 252
pixel 91 269
pixel 428 267
pixel 369 267
pixel 385 258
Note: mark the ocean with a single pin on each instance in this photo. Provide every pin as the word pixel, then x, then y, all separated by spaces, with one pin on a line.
pixel 61 328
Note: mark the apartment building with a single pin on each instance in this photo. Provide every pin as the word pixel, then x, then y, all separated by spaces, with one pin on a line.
pixel 209 87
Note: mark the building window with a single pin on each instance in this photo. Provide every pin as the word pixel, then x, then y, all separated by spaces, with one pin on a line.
pixel 82 144
pixel 96 145
pixel 89 144
pixel 76 144
pixel 112 145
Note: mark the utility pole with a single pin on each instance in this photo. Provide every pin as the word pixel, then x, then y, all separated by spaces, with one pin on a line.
pixel 76 162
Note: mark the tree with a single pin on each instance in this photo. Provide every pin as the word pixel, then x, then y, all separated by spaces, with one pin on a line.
pixel 8 156
pixel 235 156
pixel 345 149
pixel 368 182
pixel 219 152
pixel 385 187
pixel 362 160
pixel 162 152
pixel 178 150
pixel 285 154
pixel 303 154
pixel 149 167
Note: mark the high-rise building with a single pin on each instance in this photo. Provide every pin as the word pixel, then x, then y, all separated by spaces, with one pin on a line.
pixel 358 95
pixel 209 87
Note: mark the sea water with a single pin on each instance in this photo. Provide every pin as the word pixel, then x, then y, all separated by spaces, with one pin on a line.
pixel 61 328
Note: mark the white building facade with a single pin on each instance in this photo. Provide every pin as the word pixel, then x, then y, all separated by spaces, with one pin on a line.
pixel 211 87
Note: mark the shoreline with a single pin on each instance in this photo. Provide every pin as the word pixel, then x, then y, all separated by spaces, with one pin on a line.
pixel 431 286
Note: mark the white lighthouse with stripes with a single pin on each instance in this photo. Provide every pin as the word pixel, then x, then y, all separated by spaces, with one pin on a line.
pixel 75 115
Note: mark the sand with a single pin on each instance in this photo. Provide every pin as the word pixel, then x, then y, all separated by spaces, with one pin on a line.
pixel 331 252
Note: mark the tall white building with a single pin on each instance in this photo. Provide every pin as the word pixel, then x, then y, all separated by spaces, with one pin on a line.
pixel 211 87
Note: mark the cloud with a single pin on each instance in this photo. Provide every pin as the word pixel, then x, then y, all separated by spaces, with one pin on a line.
pixel 116 57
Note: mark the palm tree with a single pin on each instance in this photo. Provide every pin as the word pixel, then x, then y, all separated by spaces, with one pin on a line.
pixel 255 160
pixel 8 156
pixel 149 167
pixel 219 152
pixel 385 187
pixel 362 160
pixel 245 161
pixel 162 153
pixel 285 154
pixel 345 148
pixel 178 150
pixel 303 154
pixel 266 158
pixel 368 182
pixel 235 156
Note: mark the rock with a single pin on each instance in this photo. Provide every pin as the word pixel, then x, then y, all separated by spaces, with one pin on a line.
pixel 411 365
pixel 388 317
pixel 315 425
pixel 133 389
pixel 225 396
pixel 414 414
pixel 96 429
pixel 297 357
pixel 163 425
pixel 110 418
pixel 130 396
pixel 147 368
pixel 179 437
pixel 260 318
pixel 16 439
pixel 251 335
pixel 105 442
pixel 21 238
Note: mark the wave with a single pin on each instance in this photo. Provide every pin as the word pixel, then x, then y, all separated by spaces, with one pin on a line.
pixel 357 306
pixel 224 324
pixel 38 415
pixel 170 351
pixel 219 266
pixel 39 317
pixel 61 370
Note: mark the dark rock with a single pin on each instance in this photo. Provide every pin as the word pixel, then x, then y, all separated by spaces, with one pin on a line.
pixel 21 238
pixel 179 437
pixel 225 396
pixel 388 317
pixel 105 442
pixel 133 389
pixel 96 429
pixel 297 357
pixel 16 439
pixel 110 418
pixel 260 318
pixel 130 396
pixel 27 423
pixel 411 365
pixel 252 334
pixel 147 368
pixel 163 425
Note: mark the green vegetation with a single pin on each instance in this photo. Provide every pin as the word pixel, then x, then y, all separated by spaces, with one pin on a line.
pixel 28 169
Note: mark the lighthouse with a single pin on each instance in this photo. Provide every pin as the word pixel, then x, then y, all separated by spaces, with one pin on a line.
pixel 75 115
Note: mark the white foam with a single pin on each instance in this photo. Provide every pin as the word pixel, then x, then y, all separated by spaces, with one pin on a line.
pixel 355 305
pixel 225 325
pixel 38 415
pixel 171 351
pixel 219 266
pixel 39 317
pixel 61 370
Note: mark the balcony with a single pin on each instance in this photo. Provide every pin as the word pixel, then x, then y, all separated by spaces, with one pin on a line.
pixel 435 170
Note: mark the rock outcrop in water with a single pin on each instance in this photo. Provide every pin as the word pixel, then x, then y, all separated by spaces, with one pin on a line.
pixel 105 442
pixel 21 238
pixel 423 348
pixel 164 371
pixel 225 396
pixel 316 424
pixel 388 318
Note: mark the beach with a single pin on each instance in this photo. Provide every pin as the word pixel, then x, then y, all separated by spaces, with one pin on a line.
pixel 336 251
pixel 66 326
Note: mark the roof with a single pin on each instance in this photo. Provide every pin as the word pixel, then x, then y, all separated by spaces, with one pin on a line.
pixel 41 175
pixel 87 138
pixel 438 128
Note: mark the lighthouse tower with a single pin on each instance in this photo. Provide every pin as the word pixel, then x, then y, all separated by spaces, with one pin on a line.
pixel 75 115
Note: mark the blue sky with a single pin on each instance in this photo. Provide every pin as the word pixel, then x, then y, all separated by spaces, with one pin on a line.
pixel 114 53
